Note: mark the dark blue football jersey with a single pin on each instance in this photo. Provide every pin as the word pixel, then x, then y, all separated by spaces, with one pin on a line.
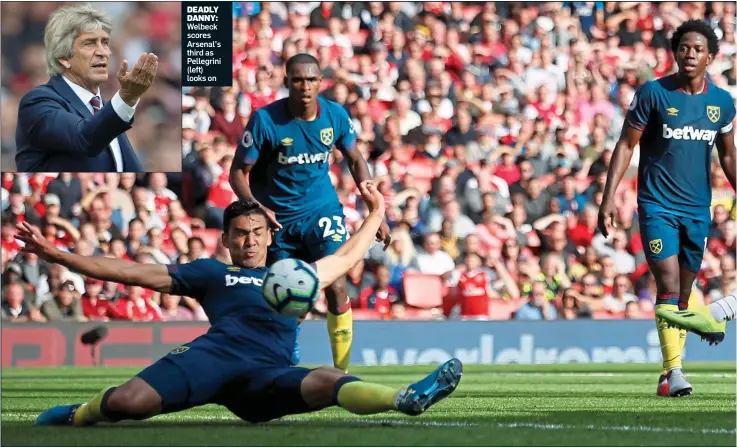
pixel 291 156
pixel 678 135
pixel 243 324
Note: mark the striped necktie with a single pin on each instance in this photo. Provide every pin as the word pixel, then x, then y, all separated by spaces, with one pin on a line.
pixel 96 104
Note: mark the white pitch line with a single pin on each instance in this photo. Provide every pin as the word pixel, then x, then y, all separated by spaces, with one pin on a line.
pixel 449 424
pixel 530 425
pixel 597 374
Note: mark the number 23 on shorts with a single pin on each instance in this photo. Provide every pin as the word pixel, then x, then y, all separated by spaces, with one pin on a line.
pixel 328 230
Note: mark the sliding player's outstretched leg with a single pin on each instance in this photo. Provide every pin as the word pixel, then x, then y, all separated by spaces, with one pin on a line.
pixel 361 397
pixel 160 388
pixel 420 396
pixel 134 399
pixel 279 392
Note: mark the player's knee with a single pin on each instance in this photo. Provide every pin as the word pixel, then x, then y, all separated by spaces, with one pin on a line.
pixel 337 294
pixel 133 401
pixel 668 278
pixel 318 388
pixel 338 288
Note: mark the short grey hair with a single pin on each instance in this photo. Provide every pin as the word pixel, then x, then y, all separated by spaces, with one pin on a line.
pixel 64 26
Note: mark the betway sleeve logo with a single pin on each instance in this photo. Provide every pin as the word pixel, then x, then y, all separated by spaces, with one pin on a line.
pixel 231 280
pixel 302 159
pixel 689 133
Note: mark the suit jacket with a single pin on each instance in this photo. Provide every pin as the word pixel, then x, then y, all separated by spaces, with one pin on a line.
pixel 56 132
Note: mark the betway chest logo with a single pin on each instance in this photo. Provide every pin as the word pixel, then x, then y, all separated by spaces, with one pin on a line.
pixel 302 159
pixel 689 133
pixel 231 280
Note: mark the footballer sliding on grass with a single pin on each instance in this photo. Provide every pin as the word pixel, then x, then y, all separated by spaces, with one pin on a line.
pixel 243 361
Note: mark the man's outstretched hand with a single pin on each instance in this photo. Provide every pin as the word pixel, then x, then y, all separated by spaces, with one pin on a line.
pixel 134 83
pixel 35 242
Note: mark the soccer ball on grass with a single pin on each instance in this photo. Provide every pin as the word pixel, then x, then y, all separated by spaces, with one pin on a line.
pixel 291 287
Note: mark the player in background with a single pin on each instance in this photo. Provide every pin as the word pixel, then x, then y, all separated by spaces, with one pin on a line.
pixel 676 120
pixel 243 361
pixel 709 322
pixel 282 163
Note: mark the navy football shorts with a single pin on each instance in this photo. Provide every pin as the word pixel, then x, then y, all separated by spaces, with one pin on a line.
pixel 318 235
pixel 255 393
pixel 665 234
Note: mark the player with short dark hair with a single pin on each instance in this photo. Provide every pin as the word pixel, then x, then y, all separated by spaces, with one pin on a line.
pixel 676 120
pixel 243 361
pixel 282 162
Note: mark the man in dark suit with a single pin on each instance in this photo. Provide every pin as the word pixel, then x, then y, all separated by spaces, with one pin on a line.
pixel 65 125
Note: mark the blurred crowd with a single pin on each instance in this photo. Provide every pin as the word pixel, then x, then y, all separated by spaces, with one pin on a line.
pixel 489 126
pixel 138 27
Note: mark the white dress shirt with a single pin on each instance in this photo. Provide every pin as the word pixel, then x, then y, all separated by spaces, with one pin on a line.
pixel 124 111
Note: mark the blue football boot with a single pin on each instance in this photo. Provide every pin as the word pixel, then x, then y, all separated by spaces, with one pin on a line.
pixel 58 415
pixel 421 395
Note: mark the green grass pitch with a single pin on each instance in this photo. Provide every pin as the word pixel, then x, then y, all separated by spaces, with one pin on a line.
pixel 494 405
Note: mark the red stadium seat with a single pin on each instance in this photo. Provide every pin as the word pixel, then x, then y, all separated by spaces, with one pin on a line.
pixel 358 39
pixel 209 236
pixel 503 309
pixel 423 291
pixel 418 314
pixel 606 315
pixel 315 34
pixel 470 12
pixel 365 314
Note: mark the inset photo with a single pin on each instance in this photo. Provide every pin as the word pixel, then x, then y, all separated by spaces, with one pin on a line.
pixel 91 87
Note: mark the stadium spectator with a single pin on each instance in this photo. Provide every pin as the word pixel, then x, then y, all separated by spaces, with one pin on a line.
pixel 15 308
pixel 358 279
pixel 572 307
pixel 538 306
pixel 632 310
pixel 617 301
pixel 624 262
pixel 172 310
pixel 95 305
pixel 544 90
pixel 134 306
pixel 433 260
pixel 381 297
pixel 65 304
pixel 473 290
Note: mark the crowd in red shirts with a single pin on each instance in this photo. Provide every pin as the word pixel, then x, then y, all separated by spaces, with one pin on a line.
pixel 489 128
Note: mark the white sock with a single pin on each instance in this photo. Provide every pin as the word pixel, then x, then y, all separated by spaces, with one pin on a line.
pixel 724 308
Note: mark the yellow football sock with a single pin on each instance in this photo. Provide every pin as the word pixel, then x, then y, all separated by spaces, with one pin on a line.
pixel 682 333
pixel 367 398
pixel 340 329
pixel 90 412
pixel 670 341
